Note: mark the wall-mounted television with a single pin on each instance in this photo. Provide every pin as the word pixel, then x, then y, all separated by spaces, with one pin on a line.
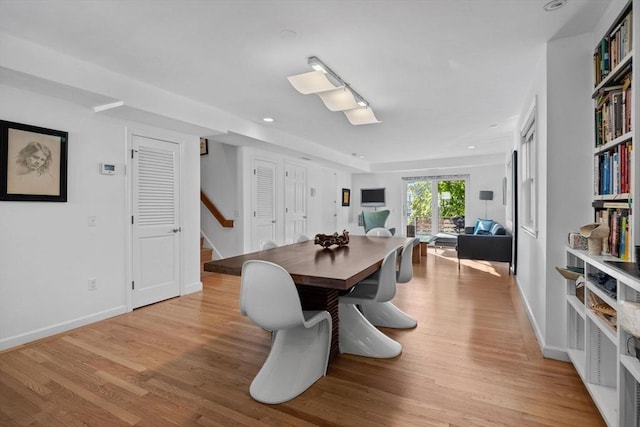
pixel 372 197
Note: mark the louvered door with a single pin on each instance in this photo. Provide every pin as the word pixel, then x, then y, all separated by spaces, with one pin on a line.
pixel 155 221
pixel 264 203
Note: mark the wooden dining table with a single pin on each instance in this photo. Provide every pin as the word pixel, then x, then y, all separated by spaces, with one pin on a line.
pixel 320 274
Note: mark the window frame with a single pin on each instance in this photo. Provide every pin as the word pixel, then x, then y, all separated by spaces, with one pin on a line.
pixel 529 173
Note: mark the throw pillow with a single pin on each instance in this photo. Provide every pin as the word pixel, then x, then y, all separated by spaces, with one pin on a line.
pixel 483 226
pixel 497 230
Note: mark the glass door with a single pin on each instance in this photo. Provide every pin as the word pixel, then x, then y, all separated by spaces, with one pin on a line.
pixel 428 215
pixel 451 206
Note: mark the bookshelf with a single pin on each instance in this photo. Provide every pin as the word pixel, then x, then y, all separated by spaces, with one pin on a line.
pixel 615 100
pixel 596 344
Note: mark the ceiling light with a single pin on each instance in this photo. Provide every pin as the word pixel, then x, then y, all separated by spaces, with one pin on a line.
pixel 268 119
pixel 336 94
pixel 471 147
pixel 554 5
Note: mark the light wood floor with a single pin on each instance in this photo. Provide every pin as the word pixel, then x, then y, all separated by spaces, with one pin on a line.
pixel 472 361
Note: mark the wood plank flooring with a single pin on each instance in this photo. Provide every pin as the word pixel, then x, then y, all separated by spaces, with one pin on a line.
pixel 472 361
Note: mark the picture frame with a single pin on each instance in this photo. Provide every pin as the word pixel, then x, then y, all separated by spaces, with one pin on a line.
pixel 346 197
pixel 33 163
pixel 204 146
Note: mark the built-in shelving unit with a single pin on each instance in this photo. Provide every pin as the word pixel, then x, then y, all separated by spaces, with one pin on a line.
pixel 615 130
pixel 596 344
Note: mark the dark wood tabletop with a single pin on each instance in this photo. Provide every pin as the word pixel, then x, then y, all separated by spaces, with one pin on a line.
pixel 311 265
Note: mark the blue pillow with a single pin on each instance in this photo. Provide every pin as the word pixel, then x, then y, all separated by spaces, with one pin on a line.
pixel 483 226
pixel 497 230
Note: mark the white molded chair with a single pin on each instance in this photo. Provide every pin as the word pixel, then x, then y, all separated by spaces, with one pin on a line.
pixel 269 244
pixel 386 314
pixel 301 339
pixel 379 232
pixel 357 334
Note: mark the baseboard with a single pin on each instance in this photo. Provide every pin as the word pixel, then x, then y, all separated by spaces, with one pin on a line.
pixel 548 351
pixel 193 288
pixel 28 337
pixel 556 353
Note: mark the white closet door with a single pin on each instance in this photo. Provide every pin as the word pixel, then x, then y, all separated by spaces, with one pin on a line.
pixel 263 224
pixel 155 223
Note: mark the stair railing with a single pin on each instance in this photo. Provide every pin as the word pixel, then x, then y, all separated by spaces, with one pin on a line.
pixel 215 212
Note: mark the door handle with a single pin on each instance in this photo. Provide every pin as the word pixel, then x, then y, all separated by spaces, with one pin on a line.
pixel 176 230
pixel 273 222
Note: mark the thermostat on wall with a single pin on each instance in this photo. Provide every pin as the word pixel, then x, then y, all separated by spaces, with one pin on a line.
pixel 108 168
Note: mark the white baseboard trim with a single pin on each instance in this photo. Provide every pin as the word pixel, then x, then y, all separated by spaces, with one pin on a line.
pixel 48 331
pixel 557 353
pixel 193 288
pixel 548 351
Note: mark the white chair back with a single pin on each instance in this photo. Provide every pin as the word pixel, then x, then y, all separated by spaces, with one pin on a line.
pixel 379 232
pixel 269 297
pixel 387 279
pixel 269 244
pixel 405 272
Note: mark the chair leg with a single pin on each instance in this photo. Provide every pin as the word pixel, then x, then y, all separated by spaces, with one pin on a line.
pixel 387 315
pixel 298 358
pixel 358 336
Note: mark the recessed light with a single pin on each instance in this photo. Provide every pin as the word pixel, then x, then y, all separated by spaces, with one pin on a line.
pixel 494 125
pixel 554 5
pixel 471 147
pixel 268 119
pixel 288 34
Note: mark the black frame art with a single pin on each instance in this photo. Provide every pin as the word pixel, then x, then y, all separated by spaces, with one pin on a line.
pixel 34 163
pixel 346 197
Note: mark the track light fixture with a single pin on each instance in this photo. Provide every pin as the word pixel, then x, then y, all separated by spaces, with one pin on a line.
pixel 336 94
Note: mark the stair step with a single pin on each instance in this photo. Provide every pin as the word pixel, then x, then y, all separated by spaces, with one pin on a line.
pixel 205 254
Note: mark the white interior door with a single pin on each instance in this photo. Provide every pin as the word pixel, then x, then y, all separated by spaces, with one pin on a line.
pixel 263 224
pixel 155 222
pixel 295 202
pixel 329 204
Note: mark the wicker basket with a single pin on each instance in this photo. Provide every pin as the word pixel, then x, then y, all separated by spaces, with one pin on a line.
pixel 568 274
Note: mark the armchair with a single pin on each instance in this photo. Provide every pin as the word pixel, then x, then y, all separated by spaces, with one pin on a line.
pixel 376 219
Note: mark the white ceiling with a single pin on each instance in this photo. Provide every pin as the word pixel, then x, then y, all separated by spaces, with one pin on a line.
pixel 440 74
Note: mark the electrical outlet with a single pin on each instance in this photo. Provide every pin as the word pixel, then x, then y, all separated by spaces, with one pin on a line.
pixel 93 285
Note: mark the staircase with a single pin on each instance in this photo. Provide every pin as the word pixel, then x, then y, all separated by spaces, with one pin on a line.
pixel 205 255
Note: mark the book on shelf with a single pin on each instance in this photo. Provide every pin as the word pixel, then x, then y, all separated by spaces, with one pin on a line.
pixel 613 49
pixel 612 170
pixel 618 243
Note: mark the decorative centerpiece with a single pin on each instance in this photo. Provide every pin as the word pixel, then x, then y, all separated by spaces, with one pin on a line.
pixel 327 240
pixel 594 234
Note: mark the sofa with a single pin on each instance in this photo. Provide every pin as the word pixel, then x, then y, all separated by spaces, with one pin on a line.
pixel 487 240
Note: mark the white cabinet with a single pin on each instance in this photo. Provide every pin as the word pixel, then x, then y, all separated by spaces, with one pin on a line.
pixel 597 346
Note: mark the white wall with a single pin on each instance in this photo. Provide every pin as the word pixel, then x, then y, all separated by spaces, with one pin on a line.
pixel 488 177
pixel 569 159
pixel 47 250
pixel 564 125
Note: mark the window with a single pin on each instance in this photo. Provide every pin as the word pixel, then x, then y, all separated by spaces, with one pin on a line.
pixel 529 184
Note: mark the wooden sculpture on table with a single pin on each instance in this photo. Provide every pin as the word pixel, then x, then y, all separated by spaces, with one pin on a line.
pixel 327 240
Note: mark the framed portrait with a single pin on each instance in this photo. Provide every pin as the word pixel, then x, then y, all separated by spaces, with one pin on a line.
pixel 204 146
pixel 33 163
pixel 346 197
